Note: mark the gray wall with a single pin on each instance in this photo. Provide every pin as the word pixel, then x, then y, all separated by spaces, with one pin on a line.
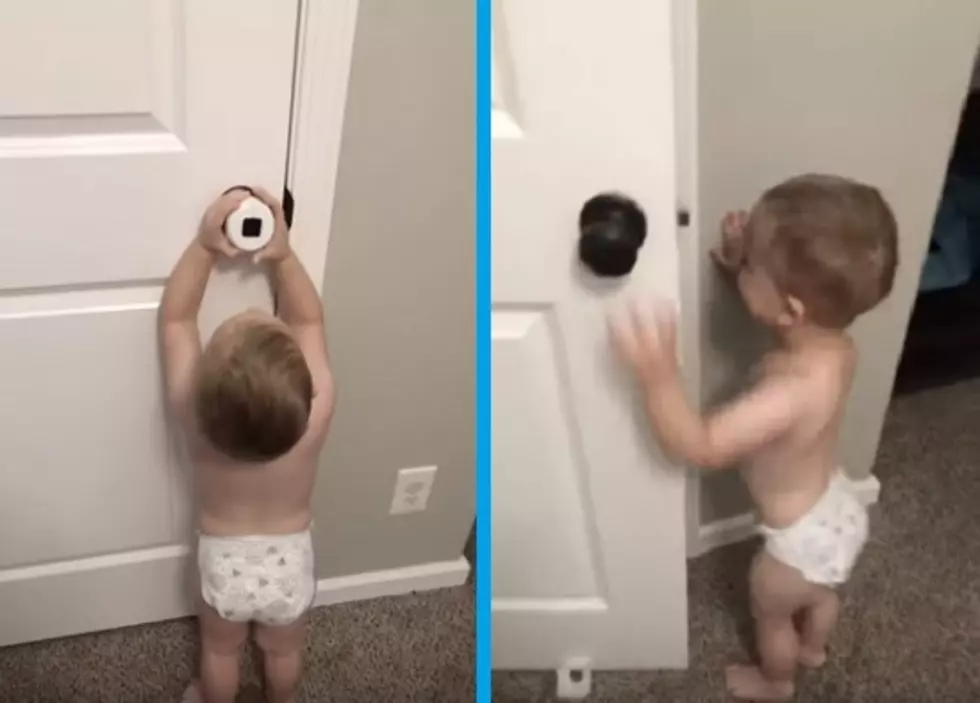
pixel 868 89
pixel 399 291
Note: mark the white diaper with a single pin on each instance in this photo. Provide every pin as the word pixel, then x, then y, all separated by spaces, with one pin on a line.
pixel 266 579
pixel 825 543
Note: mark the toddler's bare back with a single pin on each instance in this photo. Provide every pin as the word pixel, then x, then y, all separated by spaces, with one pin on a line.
pixel 788 477
pixel 272 498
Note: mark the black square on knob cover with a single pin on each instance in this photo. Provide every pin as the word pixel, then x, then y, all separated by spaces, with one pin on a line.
pixel 251 227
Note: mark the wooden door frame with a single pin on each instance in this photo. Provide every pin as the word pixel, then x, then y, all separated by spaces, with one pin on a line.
pixel 702 538
pixel 691 261
pixel 685 23
pixel 324 49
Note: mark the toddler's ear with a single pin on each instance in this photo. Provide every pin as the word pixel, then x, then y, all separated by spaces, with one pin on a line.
pixel 794 312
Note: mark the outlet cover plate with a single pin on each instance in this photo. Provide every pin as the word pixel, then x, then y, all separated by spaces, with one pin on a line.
pixel 412 489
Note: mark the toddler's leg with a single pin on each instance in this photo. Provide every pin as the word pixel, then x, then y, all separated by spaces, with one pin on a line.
pixel 819 619
pixel 220 642
pixel 778 591
pixel 282 650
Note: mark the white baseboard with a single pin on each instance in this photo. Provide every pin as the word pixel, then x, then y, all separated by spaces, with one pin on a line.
pixel 118 590
pixel 391 582
pixel 91 594
pixel 741 527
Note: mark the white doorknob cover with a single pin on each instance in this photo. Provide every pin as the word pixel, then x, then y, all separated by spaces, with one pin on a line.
pixel 251 225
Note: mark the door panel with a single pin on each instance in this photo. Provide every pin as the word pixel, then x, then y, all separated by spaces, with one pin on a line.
pixel 73 49
pixel 189 115
pixel 71 496
pixel 530 415
pixel 588 522
pixel 870 90
pixel 112 141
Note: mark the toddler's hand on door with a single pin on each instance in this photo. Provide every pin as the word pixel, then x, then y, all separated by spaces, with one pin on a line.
pixel 729 255
pixel 646 339
pixel 211 231
pixel 278 247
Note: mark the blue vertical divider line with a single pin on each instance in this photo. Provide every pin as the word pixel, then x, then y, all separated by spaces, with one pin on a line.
pixel 483 445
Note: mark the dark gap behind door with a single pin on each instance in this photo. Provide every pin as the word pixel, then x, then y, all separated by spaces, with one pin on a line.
pixel 942 345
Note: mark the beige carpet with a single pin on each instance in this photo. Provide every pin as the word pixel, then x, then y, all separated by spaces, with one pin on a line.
pixel 414 648
pixel 910 630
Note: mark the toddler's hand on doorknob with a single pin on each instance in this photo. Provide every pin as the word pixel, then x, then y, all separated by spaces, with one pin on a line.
pixel 211 231
pixel 278 247
pixel 729 255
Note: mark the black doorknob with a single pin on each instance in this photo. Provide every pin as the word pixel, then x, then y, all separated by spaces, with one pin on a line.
pixel 612 228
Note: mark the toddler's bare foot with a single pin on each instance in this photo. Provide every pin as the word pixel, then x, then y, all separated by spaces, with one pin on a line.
pixel 812 658
pixel 193 693
pixel 748 683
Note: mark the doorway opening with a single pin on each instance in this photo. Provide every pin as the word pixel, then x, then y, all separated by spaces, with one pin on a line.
pixel 942 345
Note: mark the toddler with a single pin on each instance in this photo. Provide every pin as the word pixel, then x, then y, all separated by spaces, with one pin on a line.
pixel 254 405
pixel 814 253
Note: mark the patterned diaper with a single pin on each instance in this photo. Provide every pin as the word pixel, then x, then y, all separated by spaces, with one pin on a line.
pixel 825 543
pixel 266 579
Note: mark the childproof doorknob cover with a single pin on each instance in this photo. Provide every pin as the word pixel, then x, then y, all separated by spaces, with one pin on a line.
pixel 250 226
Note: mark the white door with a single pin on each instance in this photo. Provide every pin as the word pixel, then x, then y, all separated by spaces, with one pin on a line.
pixel 119 121
pixel 871 90
pixel 588 521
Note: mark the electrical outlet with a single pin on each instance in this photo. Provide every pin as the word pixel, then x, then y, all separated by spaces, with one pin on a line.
pixel 412 489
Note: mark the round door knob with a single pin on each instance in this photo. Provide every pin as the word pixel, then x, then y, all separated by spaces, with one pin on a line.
pixel 612 228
